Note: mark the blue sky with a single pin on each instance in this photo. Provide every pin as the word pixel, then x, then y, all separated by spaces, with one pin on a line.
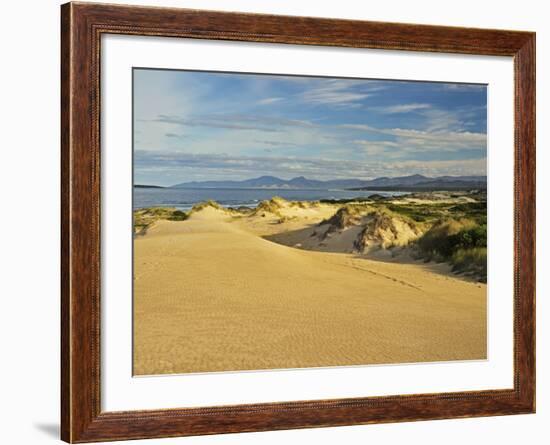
pixel 195 126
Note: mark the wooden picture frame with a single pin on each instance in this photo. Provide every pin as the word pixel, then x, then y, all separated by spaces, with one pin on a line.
pixel 82 25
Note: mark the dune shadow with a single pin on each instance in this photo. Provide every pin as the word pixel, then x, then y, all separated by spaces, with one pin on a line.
pixel 292 237
pixel 296 238
pixel 439 268
pixel 442 268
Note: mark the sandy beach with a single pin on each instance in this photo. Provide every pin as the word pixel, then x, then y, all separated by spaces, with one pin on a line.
pixel 213 294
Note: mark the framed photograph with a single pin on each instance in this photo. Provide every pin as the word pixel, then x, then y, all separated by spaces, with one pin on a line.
pixel 274 222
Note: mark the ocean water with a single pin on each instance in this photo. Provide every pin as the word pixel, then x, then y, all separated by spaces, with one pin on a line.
pixel 184 199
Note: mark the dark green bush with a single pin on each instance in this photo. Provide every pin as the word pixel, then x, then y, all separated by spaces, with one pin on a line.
pixel 462 243
pixel 178 215
pixel 466 239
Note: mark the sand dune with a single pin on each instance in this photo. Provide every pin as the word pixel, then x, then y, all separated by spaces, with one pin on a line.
pixel 212 294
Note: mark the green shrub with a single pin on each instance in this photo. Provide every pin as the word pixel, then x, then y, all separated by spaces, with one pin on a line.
pixel 417 212
pixel 465 239
pixel 463 243
pixel 143 218
pixel 442 239
pixel 178 215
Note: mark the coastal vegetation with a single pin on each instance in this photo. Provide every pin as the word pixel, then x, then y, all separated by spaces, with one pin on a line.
pixel 451 227
pixel 144 218
pixel 440 227
pixel 462 243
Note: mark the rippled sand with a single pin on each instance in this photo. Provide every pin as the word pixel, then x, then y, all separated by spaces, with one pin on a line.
pixel 210 294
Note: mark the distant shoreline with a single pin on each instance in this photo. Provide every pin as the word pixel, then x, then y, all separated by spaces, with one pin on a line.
pixel 274 189
pixel 184 199
pixel 419 188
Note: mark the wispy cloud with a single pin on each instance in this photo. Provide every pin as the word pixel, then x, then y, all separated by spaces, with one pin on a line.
pixel 409 139
pixel 404 108
pixel 465 167
pixel 439 136
pixel 184 166
pixel 269 100
pixel 334 92
pixel 373 148
pixel 464 87
pixel 212 122
pixel 235 122
pixel 276 143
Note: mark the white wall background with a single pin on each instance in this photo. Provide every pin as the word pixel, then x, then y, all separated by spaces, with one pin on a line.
pixel 29 219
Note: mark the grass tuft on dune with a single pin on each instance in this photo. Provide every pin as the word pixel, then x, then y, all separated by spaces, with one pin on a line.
pixel 385 229
pixel 273 206
pixel 472 262
pixel 205 204
pixel 346 216
pixel 144 218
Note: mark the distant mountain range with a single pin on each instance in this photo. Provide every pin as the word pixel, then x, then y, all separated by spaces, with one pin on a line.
pixel 412 182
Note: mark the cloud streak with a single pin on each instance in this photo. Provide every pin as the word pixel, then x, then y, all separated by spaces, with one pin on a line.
pixel 185 166
pixel 269 100
pixel 404 108
pixel 421 140
pixel 334 92
pixel 276 143
pixel 235 122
